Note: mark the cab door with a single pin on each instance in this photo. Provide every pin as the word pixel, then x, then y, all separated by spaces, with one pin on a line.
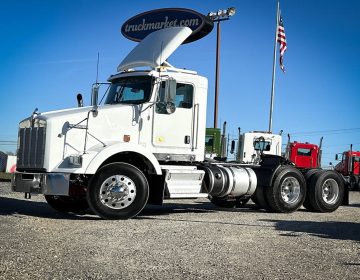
pixel 173 132
pixel 356 165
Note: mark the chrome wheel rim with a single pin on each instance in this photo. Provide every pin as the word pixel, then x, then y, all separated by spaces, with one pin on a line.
pixel 117 192
pixel 330 191
pixel 290 190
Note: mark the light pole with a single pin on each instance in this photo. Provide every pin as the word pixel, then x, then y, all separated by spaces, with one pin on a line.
pixel 219 16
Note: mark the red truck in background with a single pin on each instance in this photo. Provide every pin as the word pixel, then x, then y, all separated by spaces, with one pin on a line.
pixel 326 189
pixel 349 168
pixel 307 156
pixel 304 155
pixel 349 164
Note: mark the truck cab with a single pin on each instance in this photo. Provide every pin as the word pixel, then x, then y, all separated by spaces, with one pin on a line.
pixel 255 143
pixel 152 114
pixel 250 146
pixel 304 155
pixel 349 164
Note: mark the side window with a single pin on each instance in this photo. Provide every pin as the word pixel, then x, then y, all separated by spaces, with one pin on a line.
pixel 262 145
pixel 209 142
pixel 304 152
pixel 184 96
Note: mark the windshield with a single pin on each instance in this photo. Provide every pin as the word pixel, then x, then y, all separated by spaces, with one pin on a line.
pixel 130 90
pixel 262 145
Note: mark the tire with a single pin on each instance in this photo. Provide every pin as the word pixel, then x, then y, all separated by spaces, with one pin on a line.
pixel 259 198
pixel 67 204
pixel 287 191
pixel 308 176
pixel 118 191
pixel 326 191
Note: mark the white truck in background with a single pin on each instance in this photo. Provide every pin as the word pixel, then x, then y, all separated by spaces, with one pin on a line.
pixel 253 144
pixel 145 143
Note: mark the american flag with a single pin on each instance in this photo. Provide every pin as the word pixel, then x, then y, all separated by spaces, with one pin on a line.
pixel 282 41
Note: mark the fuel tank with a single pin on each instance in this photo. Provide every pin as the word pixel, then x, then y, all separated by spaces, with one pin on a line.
pixel 233 180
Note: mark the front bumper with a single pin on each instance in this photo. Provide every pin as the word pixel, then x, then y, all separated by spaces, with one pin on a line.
pixel 41 183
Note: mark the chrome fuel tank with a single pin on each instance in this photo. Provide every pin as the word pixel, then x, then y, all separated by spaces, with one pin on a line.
pixel 223 180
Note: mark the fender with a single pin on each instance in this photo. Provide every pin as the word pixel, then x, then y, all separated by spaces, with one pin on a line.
pixel 113 149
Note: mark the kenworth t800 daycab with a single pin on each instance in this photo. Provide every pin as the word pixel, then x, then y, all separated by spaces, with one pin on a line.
pixel 146 142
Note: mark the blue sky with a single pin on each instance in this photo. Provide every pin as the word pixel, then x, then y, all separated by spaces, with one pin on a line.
pixel 49 52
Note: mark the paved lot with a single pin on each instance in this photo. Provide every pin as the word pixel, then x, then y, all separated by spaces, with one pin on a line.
pixel 184 239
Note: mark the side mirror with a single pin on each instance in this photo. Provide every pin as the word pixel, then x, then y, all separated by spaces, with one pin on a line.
pixel 170 107
pixel 170 92
pixel 94 94
pixel 336 157
pixel 166 102
pixel 94 99
pixel 80 100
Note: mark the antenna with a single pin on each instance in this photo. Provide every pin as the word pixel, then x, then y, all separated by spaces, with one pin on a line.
pixel 161 51
pixel 97 68
pixel 159 70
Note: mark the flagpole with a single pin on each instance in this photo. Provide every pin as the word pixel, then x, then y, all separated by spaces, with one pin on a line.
pixel 274 65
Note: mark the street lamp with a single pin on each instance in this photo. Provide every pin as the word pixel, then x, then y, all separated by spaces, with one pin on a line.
pixel 219 16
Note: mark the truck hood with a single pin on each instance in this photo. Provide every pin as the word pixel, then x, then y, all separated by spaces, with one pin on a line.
pixel 116 117
pixel 65 112
pixel 78 131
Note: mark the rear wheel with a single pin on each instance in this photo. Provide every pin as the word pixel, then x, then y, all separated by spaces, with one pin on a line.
pixel 287 192
pixel 308 176
pixel 66 204
pixel 118 191
pixel 326 191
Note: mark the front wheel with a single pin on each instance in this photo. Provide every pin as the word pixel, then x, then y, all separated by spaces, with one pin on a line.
pixel 118 191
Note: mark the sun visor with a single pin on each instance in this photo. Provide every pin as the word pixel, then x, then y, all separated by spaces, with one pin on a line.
pixel 155 48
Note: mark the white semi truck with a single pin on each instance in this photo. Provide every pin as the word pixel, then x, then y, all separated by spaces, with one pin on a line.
pixel 145 143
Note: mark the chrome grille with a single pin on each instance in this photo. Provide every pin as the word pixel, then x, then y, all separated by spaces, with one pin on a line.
pixel 31 144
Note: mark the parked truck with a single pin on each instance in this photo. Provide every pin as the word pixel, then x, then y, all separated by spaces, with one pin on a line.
pixel 146 143
pixel 349 168
pixel 306 157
